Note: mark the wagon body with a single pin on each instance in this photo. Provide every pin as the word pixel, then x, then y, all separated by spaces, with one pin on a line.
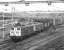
pixel 31 28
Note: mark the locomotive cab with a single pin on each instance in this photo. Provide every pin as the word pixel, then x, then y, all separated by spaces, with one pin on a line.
pixel 15 31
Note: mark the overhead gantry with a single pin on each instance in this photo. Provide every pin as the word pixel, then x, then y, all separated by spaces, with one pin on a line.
pixel 30 2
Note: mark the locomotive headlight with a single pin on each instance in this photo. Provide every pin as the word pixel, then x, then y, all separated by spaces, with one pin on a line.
pixel 18 33
pixel 12 32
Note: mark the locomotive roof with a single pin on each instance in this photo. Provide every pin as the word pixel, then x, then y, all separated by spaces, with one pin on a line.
pixel 17 24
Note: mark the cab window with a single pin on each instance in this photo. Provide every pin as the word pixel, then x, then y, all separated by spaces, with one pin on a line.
pixel 18 28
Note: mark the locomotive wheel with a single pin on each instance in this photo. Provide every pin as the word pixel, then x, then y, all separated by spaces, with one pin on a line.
pixel 15 39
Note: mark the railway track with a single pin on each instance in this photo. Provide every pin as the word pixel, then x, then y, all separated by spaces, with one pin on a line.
pixel 5 44
pixel 35 41
pixel 9 45
pixel 6 41
pixel 52 45
pixel 25 44
pixel 41 41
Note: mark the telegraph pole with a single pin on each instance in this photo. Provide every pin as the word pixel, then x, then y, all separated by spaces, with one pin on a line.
pixel 3 24
pixel 4 21
pixel 13 10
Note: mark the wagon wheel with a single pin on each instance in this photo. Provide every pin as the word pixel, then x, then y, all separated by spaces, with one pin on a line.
pixel 52 29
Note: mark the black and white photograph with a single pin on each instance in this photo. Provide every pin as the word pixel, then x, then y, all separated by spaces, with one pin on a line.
pixel 31 24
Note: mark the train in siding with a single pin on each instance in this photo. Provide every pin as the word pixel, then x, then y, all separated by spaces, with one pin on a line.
pixel 25 29
pixel 18 31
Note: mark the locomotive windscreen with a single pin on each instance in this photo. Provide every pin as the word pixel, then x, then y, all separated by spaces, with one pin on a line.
pixel 15 31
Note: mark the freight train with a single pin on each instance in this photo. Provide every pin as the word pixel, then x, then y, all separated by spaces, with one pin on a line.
pixel 25 29
pixel 19 31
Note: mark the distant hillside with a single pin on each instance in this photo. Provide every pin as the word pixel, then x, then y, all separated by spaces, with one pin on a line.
pixel 32 15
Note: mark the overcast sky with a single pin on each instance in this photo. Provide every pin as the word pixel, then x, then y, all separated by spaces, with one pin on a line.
pixel 21 0
pixel 32 7
pixel 8 0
